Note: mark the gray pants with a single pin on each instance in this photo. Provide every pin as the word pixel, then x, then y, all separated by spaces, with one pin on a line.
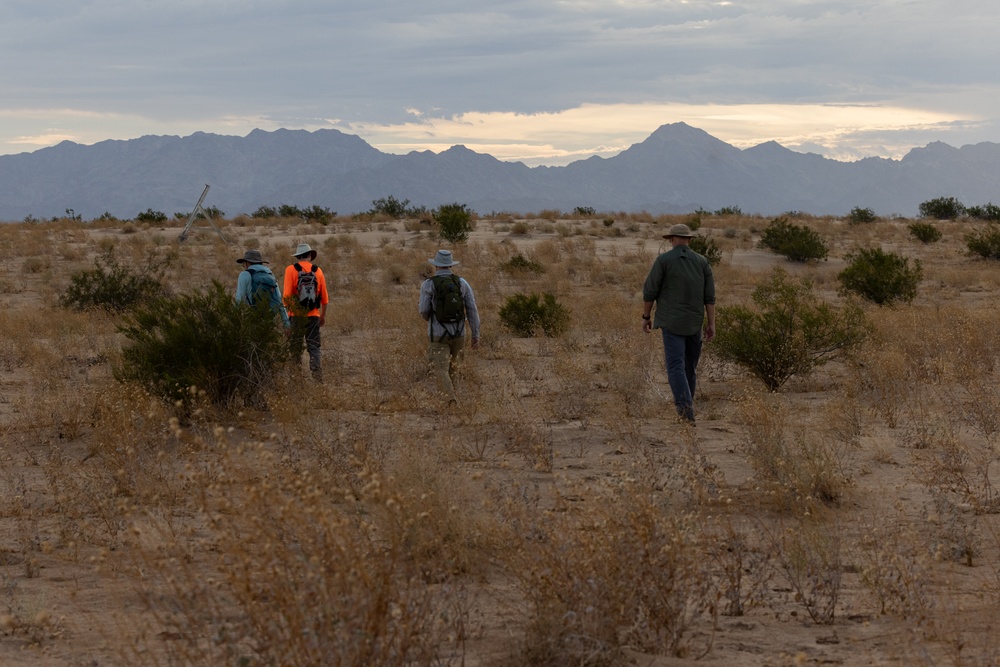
pixel 444 358
pixel 306 329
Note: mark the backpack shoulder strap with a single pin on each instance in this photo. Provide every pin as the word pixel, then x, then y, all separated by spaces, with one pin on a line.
pixel 298 267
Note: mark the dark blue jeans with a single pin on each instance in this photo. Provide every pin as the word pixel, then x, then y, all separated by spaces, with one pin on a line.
pixel 682 354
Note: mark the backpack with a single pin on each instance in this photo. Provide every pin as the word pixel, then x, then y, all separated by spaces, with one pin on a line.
pixel 449 306
pixel 308 287
pixel 264 287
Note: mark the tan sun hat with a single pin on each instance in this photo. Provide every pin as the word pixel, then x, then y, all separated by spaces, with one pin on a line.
pixel 304 249
pixel 679 230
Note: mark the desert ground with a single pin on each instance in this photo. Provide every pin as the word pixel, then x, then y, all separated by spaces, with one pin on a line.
pixel 559 516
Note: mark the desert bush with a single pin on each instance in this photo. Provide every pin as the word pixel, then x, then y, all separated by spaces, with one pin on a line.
pixel 924 232
pixel 985 243
pixel 584 211
pixel 527 314
pixel 579 577
pixel 521 264
pixel 989 212
pixel 942 208
pixel 301 580
pixel 454 222
pixel 708 248
pixel 205 341
pixel 789 331
pixel 729 210
pixel 859 216
pixel 796 242
pixel 115 287
pixel 149 215
pixel 880 277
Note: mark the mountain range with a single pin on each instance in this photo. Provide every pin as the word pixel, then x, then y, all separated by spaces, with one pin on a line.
pixel 677 169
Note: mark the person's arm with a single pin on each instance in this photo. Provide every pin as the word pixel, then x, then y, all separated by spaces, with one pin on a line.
pixel 471 312
pixel 243 284
pixel 647 316
pixel 324 296
pixel 424 305
pixel 710 324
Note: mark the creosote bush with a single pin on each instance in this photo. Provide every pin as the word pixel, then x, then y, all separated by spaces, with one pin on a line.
pixel 796 242
pixel 708 248
pixel 454 222
pixel 527 314
pixel 859 216
pixel 115 287
pixel 521 264
pixel 206 341
pixel 985 243
pixel 942 208
pixel 924 232
pixel 788 331
pixel 880 277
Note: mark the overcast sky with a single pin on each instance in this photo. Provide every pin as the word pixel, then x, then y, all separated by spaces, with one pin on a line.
pixel 541 81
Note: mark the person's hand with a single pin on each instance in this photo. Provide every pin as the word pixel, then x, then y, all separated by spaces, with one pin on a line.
pixel 709 332
pixel 647 325
pixel 322 320
pixel 475 343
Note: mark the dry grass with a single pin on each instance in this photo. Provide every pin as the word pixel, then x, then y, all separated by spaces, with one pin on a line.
pixel 559 518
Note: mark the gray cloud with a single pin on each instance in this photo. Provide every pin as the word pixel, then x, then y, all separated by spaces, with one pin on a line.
pixel 307 62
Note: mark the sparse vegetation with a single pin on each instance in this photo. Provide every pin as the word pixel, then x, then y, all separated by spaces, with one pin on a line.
pixel 796 242
pixel 984 243
pixel 942 208
pixel 859 216
pixel 363 521
pixel 787 332
pixel 454 222
pixel 529 314
pixel 881 277
pixel 925 232
pixel 116 287
pixel 203 345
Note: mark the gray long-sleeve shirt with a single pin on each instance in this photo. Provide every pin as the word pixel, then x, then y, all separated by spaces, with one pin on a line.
pixel 435 329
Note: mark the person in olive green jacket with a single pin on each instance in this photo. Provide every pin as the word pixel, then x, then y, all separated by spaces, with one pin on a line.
pixel 681 285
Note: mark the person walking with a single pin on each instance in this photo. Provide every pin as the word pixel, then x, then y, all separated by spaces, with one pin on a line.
pixel 256 282
pixel 447 303
pixel 681 285
pixel 306 297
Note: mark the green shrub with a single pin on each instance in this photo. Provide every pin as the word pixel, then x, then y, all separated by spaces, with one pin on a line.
pixel 729 210
pixel 989 212
pixel 859 216
pixel 454 222
pixel 527 314
pixel 115 287
pixel 203 340
pixel 264 213
pixel 521 264
pixel 584 211
pixel 707 247
pixel 880 277
pixel 149 215
pixel 924 232
pixel 796 242
pixel 985 243
pixel 787 332
pixel 942 208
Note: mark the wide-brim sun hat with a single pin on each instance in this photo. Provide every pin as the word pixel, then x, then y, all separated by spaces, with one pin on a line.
pixel 443 259
pixel 679 230
pixel 304 249
pixel 252 257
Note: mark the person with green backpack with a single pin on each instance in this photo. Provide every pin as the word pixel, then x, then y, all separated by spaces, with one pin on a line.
pixel 447 303
pixel 256 283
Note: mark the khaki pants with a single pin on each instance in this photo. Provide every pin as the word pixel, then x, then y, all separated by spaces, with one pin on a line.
pixel 444 358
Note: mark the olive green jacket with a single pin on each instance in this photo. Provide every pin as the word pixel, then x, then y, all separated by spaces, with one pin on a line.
pixel 680 283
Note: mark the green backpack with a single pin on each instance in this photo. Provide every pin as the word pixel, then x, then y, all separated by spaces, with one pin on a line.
pixel 449 306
